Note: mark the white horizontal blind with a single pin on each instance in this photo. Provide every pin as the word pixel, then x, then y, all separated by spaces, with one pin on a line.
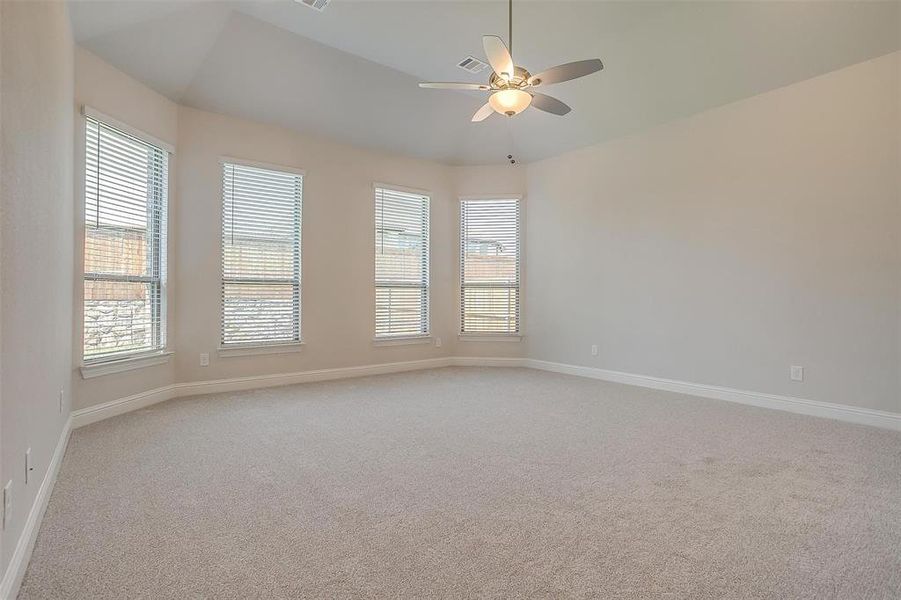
pixel 489 266
pixel 401 263
pixel 261 224
pixel 124 244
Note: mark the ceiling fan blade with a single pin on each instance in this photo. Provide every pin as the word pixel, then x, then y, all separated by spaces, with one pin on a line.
pixel 483 113
pixel 549 104
pixel 568 71
pixel 443 85
pixel 498 56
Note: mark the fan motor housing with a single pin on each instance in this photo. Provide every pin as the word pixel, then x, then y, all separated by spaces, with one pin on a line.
pixel 519 80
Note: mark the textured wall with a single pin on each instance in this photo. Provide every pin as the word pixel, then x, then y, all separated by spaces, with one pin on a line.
pixel 108 90
pixel 718 249
pixel 338 247
pixel 724 248
pixel 505 180
pixel 338 303
pixel 36 82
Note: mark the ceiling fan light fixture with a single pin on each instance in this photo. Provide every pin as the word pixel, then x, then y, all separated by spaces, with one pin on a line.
pixel 510 102
pixel 508 82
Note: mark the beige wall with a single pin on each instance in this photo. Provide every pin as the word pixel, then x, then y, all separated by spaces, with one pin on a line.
pixel 36 233
pixel 723 248
pixel 506 180
pixel 338 302
pixel 719 249
pixel 106 89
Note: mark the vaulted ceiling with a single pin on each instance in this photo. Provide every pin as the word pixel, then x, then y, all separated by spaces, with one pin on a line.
pixel 350 72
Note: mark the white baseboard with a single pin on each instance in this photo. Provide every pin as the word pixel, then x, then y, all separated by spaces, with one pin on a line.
pixel 815 408
pixel 92 414
pixel 12 579
pixel 238 384
pixel 98 412
pixel 487 361
pixel 841 412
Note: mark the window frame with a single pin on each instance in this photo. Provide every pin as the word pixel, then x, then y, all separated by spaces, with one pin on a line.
pixel 465 336
pixel 258 347
pixel 124 361
pixel 405 338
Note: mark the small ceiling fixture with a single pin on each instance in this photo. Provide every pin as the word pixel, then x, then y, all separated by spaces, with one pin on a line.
pixel 472 64
pixel 511 85
pixel 317 4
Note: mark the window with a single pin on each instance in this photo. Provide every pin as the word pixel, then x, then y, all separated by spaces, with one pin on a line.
pixel 261 223
pixel 489 266
pixel 124 244
pixel 401 263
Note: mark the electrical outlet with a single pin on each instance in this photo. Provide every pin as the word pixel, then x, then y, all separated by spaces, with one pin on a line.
pixel 28 466
pixel 7 502
pixel 61 396
pixel 797 373
pixel 438 342
pixel 594 349
pixel 204 359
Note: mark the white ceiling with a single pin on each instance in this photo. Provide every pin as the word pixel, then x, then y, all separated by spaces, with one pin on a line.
pixel 350 72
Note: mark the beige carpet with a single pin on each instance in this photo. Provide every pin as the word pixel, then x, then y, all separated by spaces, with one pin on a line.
pixel 471 483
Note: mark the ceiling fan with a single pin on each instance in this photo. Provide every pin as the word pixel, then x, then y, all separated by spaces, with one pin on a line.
pixel 511 86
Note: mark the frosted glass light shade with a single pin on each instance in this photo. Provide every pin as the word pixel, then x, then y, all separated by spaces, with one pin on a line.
pixel 510 102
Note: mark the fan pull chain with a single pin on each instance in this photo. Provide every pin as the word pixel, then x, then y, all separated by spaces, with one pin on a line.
pixel 511 144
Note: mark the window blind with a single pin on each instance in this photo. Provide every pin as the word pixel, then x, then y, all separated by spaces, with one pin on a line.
pixel 261 225
pixel 124 244
pixel 401 263
pixel 489 266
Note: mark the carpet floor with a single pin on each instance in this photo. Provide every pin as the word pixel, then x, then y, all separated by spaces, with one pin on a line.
pixel 470 482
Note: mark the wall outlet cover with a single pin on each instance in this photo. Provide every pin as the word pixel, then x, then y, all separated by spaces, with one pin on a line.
pixel 7 502
pixel 204 359
pixel 28 466
pixel 797 373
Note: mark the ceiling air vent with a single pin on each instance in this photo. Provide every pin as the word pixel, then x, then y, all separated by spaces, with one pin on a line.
pixel 317 4
pixel 472 64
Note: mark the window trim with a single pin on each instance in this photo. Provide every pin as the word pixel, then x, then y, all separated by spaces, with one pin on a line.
pixel 403 339
pixel 463 336
pixel 490 337
pixel 97 368
pixel 260 165
pixel 258 347
pixel 90 112
pixel 403 189
pixel 115 363
pixel 254 349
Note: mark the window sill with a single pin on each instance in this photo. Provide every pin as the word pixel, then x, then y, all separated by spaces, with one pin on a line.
pixel 261 349
pixel 489 337
pixel 406 340
pixel 120 365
